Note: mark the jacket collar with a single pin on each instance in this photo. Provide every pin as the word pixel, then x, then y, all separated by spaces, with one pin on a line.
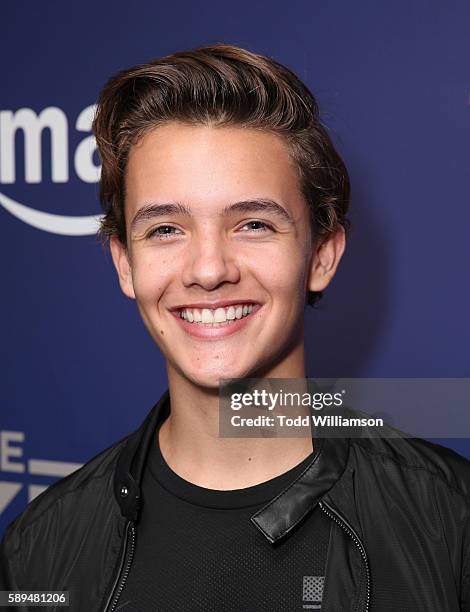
pixel 281 515
pixel 131 460
pixel 277 518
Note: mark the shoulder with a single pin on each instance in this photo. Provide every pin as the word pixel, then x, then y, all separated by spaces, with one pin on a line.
pixel 417 457
pixel 68 501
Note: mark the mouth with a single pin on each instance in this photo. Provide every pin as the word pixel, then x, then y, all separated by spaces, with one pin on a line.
pixel 208 321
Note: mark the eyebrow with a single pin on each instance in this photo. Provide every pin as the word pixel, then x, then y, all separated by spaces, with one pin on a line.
pixel 152 211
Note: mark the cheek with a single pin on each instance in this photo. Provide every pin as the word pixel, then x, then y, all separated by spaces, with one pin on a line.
pixel 283 272
pixel 150 277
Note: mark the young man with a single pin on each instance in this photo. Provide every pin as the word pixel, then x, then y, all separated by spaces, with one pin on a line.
pixel 225 206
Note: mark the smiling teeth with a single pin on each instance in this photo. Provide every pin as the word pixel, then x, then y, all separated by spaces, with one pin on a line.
pixel 219 315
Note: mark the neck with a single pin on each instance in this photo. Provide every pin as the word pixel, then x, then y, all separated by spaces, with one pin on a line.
pixel 190 443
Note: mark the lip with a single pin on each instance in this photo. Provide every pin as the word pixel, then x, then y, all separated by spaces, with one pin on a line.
pixel 216 330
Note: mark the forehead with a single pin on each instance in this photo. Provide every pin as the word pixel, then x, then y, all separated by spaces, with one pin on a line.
pixel 209 165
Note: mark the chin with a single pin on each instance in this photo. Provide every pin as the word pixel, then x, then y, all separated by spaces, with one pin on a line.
pixel 211 379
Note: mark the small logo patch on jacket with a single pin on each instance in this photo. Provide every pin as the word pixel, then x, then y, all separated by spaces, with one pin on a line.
pixel 312 592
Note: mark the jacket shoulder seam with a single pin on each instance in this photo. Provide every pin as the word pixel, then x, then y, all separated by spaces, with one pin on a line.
pixel 21 530
pixel 416 467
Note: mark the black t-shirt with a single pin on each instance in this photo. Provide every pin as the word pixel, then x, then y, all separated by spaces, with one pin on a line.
pixel 197 550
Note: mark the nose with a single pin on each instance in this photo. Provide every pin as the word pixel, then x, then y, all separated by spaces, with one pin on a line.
pixel 210 261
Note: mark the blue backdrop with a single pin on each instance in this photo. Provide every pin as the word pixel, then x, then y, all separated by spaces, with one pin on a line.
pixel 78 368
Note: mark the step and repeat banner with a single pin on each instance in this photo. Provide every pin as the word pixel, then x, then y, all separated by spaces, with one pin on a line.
pixel 78 370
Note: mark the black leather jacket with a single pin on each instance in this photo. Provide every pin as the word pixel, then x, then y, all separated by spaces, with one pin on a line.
pixel 399 541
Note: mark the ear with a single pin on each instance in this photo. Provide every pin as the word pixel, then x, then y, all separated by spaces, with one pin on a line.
pixel 325 259
pixel 123 267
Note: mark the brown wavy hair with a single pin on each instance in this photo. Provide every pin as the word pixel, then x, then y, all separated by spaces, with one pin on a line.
pixel 219 85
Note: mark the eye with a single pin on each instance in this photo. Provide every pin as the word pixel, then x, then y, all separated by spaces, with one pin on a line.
pixel 261 226
pixel 163 232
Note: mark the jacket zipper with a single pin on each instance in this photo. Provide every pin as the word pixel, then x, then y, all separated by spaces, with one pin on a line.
pixel 124 567
pixel 335 516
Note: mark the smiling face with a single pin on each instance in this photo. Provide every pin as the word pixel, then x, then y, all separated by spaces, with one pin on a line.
pixel 219 255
